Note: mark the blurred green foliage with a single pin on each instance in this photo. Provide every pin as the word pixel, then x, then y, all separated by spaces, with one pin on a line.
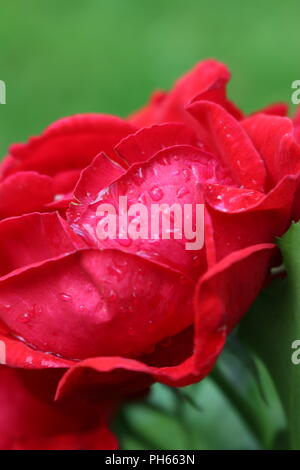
pixel 277 312
pixel 64 57
pixel 227 410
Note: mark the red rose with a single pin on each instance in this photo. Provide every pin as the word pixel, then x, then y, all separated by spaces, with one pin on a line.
pixel 297 125
pixel 132 313
pixel 41 174
pixel 30 420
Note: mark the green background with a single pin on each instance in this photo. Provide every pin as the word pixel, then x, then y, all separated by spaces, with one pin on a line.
pixel 64 57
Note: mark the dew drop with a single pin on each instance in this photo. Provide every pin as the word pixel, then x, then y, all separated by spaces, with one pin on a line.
pixel 182 192
pixel 186 174
pixel 29 360
pixel 115 270
pixel 24 317
pixel 138 177
pixel 66 297
pixel 142 199
pixel 112 296
pixel 124 242
pixel 27 316
pixel 156 193
pixel 165 161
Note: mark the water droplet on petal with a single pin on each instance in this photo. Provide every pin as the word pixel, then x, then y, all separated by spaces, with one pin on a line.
pixel 116 270
pixel 156 193
pixel 112 296
pixel 24 317
pixel 142 199
pixel 186 174
pixel 182 192
pixel 28 315
pixel 66 297
pixel 29 360
pixel 138 176
pixel 124 242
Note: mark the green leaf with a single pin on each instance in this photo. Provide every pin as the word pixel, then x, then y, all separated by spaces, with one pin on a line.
pixel 169 421
pixel 189 418
pixel 247 385
pixel 273 324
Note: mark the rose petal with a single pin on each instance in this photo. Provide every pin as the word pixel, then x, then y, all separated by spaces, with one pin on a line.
pixel 276 109
pixel 208 78
pixel 274 139
pixel 240 220
pixel 32 239
pixel 214 300
pixel 99 174
pixel 171 176
pixel 70 143
pixel 30 423
pixel 95 303
pixel 230 199
pixel 231 143
pixel 24 192
pixel 65 181
pixel 145 143
pixel 20 355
